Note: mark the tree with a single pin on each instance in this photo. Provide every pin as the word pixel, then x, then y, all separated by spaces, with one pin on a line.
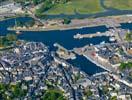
pixel 88 92
pixel 128 36
pixel 113 98
pixel 125 65
pixel 11 37
pixel 53 95
pixel 30 23
pixel 66 21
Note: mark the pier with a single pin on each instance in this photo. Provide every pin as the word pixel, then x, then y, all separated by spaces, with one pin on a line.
pixel 101 73
pixel 81 36
pixel 114 34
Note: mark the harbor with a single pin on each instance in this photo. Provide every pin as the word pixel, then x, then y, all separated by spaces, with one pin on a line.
pixel 66 40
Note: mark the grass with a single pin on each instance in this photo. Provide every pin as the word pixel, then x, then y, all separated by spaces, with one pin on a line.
pixel 125 65
pixel 53 95
pixel 79 6
pixel 7 41
pixel 119 4
pixel 128 37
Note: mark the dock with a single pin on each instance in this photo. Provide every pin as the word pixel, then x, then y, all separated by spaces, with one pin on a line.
pixel 81 36
pixel 100 73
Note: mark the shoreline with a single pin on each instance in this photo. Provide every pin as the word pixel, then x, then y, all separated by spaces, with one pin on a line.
pixel 97 64
pixel 17 15
pixel 53 29
pixel 79 24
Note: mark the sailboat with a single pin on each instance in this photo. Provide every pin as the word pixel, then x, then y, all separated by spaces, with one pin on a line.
pixel 17 31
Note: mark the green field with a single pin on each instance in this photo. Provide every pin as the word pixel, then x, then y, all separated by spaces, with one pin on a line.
pixel 80 6
pixel 119 4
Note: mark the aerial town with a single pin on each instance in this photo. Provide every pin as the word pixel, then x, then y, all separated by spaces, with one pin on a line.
pixel 65 50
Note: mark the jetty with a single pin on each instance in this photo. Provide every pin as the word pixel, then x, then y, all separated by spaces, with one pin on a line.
pixel 100 73
pixel 81 36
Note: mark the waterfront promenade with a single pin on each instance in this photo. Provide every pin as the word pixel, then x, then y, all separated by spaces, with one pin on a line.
pixel 77 23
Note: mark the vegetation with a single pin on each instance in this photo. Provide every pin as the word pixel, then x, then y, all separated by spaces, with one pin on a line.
pixel 88 93
pixel 119 4
pixel 77 77
pixel 67 21
pixel 125 65
pixel 15 91
pixel 105 89
pixel 128 36
pixel 121 51
pixel 11 37
pixel 29 23
pixel 7 40
pixel 53 95
pixel 51 7
pixel 45 6
pixel 113 98
pixel 26 2
pixel 11 91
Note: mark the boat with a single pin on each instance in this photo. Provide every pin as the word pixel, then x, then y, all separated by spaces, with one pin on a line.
pixel 103 42
pixel 98 32
pixel 129 21
pixel 111 39
pixel 18 32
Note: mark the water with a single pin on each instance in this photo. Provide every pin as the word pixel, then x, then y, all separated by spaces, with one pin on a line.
pixel 126 26
pixel 64 38
pixel 10 22
pixel 86 65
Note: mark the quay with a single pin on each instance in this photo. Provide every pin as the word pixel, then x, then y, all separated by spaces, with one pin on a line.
pixel 81 36
pixel 101 73
pixel 95 61
pixel 64 53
